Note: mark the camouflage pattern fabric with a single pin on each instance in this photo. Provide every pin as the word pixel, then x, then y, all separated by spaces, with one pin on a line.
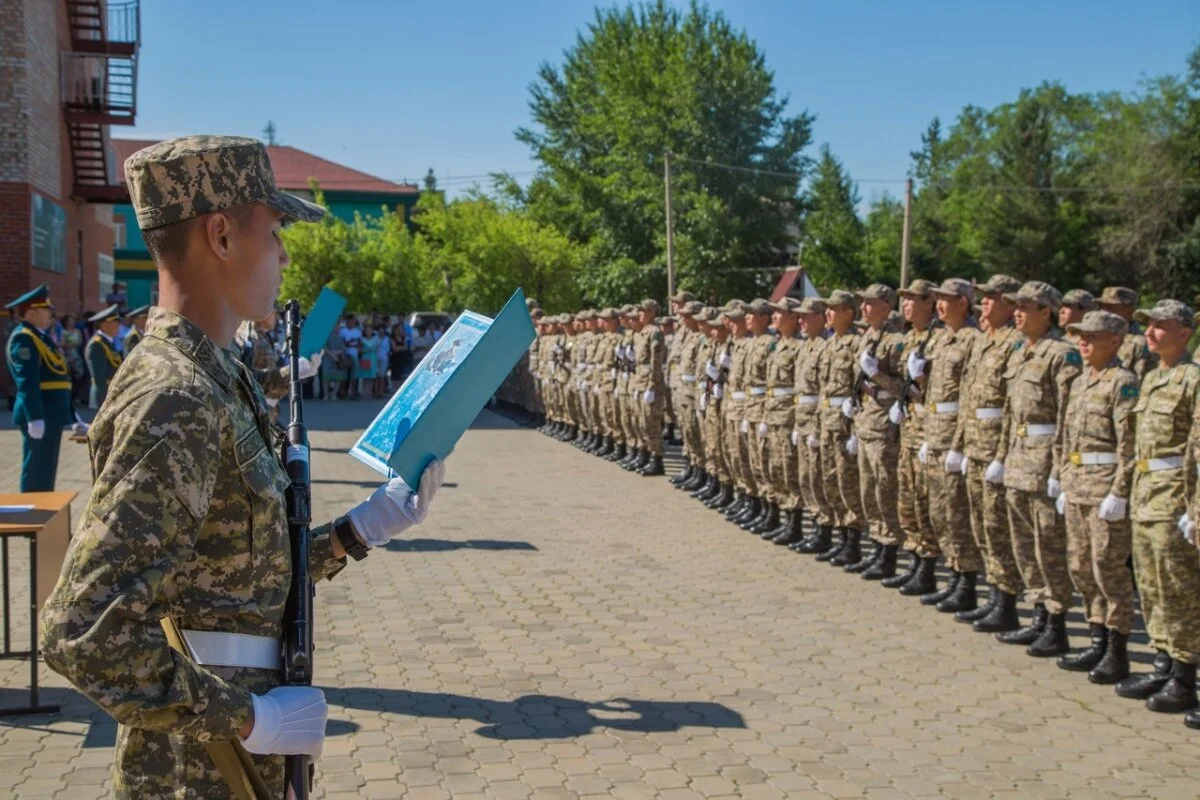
pixel 1098 557
pixel 878 438
pixel 686 396
pixel 807 422
pixel 650 354
pixel 779 412
pixel 837 367
pixel 737 451
pixel 758 356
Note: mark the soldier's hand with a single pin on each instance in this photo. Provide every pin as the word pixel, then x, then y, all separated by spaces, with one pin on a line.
pixel 1113 508
pixel 762 430
pixel 1060 505
pixel 649 396
pixel 954 461
pixel 923 453
pixel 896 413
pixel 813 442
pixel 852 445
pixel 288 720
pixel 1053 488
pixel 1187 528
pixel 869 364
pixel 394 507
pixel 795 438
pixel 916 365
pixel 36 429
pixel 995 472
pixel 848 408
pixel 745 426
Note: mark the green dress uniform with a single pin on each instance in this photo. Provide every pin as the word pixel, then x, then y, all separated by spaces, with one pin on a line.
pixel 134 334
pixel 43 393
pixel 102 359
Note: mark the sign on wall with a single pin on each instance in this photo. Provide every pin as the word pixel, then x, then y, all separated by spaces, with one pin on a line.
pixel 107 273
pixel 49 239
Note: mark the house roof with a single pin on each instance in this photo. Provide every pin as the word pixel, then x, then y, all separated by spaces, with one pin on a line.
pixel 293 169
pixel 793 283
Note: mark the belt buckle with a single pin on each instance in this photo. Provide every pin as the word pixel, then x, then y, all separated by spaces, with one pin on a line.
pixel 933 407
pixel 1022 430
pixel 826 403
pixel 1142 465
pixel 1076 459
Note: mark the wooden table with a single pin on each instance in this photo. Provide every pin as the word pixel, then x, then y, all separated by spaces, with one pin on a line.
pixel 47 526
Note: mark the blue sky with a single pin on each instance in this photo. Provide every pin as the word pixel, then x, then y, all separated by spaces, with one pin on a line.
pixel 393 88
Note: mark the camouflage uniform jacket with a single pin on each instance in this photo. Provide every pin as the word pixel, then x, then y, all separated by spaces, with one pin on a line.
pixel 186 520
pixel 650 360
pixel 948 354
pixel 984 388
pixel 780 408
pixel 912 429
pixel 755 377
pixel 1134 355
pixel 838 367
pixel 734 407
pixel 607 365
pixel 871 423
pixel 1099 420
pixel 1167 405
pixel 676 343
pixel 690 366
pixel 1039 381
pixel 808 384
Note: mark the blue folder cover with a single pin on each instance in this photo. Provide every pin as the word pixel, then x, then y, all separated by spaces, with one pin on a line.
pixel 443 395
pixel 320 321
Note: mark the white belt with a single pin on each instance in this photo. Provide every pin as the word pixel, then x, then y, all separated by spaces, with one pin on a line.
pixel 215 649
pixel 738 395
pixel 944 408
pixel 756 391
pixel 1092 459
pixel 1159 464
pixel 989 413
pixel 1036 430
pixel 807 399
pixel 782 391
pixel 836 402
pixel 688 378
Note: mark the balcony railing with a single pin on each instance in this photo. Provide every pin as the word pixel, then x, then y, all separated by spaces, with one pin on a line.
pixel 113 28
pixel 99 88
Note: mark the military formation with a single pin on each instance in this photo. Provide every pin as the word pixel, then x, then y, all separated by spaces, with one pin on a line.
pixel 1037 442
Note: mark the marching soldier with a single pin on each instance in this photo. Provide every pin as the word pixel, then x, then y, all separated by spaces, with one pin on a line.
pixel 1029 460
pixel 779 415
pixel 137 326
pixel 754 428
pixel 1134 355
pixel 42 406
pixel 101 353
pixel 808 428
pixel 1096 477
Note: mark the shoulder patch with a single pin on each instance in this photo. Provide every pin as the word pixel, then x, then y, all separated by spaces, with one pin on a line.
pixel 1130 391
pixel 1017 345
pixel 771 349
pixel 1073 358
pixel 23 353
pixel 899 347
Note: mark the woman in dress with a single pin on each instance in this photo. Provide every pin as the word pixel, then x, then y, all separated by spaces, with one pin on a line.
pixel 368 356
pixel 333 365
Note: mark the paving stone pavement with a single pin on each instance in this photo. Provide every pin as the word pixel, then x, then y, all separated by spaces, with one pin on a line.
pixel 560 628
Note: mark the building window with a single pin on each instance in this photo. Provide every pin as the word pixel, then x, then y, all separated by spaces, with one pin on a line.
pixel 118 235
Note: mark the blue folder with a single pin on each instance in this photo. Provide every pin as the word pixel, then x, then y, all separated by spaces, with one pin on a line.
pixel 445 392
pixel 320 321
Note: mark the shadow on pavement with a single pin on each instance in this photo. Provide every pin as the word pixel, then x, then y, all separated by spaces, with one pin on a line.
pixel 541 716
pixel 445 545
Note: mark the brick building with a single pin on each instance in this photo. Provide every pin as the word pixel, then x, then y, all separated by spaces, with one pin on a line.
pixel 68 71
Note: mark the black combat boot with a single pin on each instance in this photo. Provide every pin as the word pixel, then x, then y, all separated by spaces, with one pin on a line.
pixel 753 508
pixel 835 544
pixel 1030 633
pixel 924 580
pixel 755 524
pixel 933 598
pixel 635 459
pixel 1053 641
pixel 710 489
pixel 642 461
pixel 964 597
pixel 1192 720
pixel 851 552
pixel 1002 617
pixel 1178 694
pixel 819 542
pixel 1141 687
pixel 884 566
pixel 698 479
pixel 982 611
pixel 606 447
pixel 653 468
pixel 724 498
pixel 618 452
pixel 710 498
pixel 900 578
pixel 738 505
pixel 865 560
pixel 683 476
pixel 766 525
pixel 1115 664
pixel 788 532
pixel 1084 660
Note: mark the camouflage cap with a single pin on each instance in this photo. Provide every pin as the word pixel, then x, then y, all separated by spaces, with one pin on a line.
pixel 705 314
pixel 812 305
pixel 999 284
pixel 734 314
pixel 1079 298
pixel 1164 310
pixel 691 308
pixel 628 310
pixel 955 287
pixel 682 297
pixel 759 306
pixel 1118 296
pixel 787 305
pixel 531 303
pixel 182 178
pixel 649 304
pixel 734 304
pixel 841 297
pixel 918 288
pixel 1100 322
pixel 585 315
pixel 879 291
pixel 536 313
pixel 1038 292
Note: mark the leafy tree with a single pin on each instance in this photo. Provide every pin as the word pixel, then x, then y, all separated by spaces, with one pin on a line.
pixel 834 236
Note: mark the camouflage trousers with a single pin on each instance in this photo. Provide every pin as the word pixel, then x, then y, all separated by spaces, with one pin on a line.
pixel 757 449
pixel 689 431
pixel 784 468
pixel 670 404
pixel 812 482
pixel 1097 555
pixel 950 513
pixel 1040 546
pixel 625 410
pixel 1168 579
pixel 650 422
pixel 913 505
pixel 737 454
pixel 713 427
pixel 608 412
pixel 989 526
pixel 877 460
pixel 839 476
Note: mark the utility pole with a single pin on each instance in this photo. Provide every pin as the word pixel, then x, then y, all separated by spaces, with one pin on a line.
pixel 907 233
pixel 670 228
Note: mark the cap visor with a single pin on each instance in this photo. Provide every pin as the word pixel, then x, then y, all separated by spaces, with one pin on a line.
pixel 1143 316
pixel 295 209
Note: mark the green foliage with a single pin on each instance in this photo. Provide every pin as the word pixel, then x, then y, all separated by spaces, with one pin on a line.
pixel 833 234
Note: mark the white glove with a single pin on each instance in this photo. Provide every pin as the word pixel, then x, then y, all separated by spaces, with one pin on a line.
pixel 1053 487
pixel 79 428
pixel 393 507
pixel 618 350
pixel 308 367
pixel 745 426
pixel 718 391
pixel 923 453
pixel 869 364
pixel 288 720
pixel 1113 508
pixel 995 472
pixel 703 402
pixel 1187 528
pixel 963 468
pixel 762 430
pixel 726 359
pixel 649 396
pixel 896 413
pixel 1060 505
pixel 36 429
pixel 916 365
pixel 711 371
pixel 954 461
pixel 272 402
pixel 814 442
pixel 852 445
pixel 848 408
pixel 795 438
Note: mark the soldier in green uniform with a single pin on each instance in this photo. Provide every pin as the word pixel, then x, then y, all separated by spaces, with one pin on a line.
pixel 1075 304
pixel 1134 354
pixel 258 352
pixel 137 328
pixel 779 415
pixel 1165 562
pixel 42 405
pixel 186 518
pixel 754 427
pixel 808 428
pixel 101 353
pixel 646 389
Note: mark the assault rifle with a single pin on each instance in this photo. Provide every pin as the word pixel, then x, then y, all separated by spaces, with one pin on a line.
pixel 912 390
pixel 861 382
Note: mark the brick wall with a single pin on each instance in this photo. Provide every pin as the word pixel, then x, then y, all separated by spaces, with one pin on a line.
pixel 45 37
pixel 13 92
pixel 14 239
